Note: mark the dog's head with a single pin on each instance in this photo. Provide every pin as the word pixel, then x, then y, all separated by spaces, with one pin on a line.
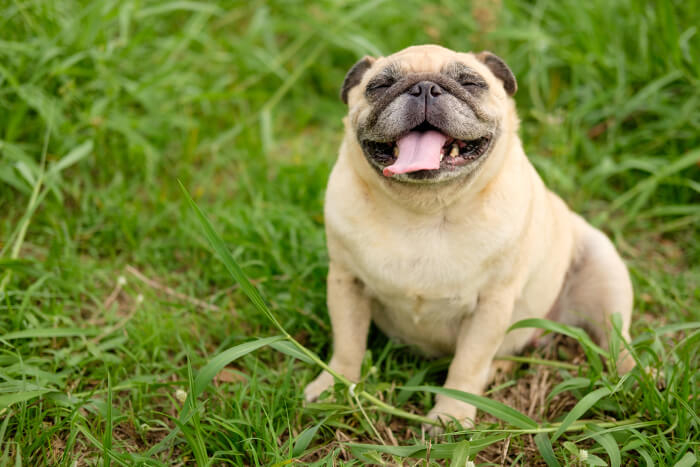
pixel 427 114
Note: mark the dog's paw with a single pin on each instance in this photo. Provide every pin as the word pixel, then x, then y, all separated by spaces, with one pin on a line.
pixel 625 362
pixel 317 386
pixel 450 412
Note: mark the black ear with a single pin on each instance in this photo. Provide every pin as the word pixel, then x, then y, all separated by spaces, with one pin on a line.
pixel 354 76
pixel 500 70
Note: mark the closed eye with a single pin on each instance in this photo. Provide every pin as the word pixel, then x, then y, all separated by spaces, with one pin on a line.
pixel 378 86
pixel 381 82
pixel 472 82
pixel 374 87
pixel 465 76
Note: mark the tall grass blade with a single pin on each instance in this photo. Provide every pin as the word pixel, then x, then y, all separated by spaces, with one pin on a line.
pixel 7 400
pixel 107 439
pixel 490 406
pixel 224 255
pixel 419 450
pixel 460 456
pixel 553 326
pixel 219 361
pixel 287 348
pixel 48 333
pixel 609 444
pixel 688 460
pixel 73 157
pixel 579 409
pixel 304 439
pixel 544 445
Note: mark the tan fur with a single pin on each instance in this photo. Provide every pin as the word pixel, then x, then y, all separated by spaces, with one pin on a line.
pixel 448 267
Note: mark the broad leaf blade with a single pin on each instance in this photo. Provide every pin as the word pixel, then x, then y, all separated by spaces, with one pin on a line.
pixel 688 460
pixel 545 447
pixel 219 361
pixel 579 409
pixel 568 385
pixel 286 347
pixel 610 445
pixel 74 156
pixel 48 332
pixel 7 400
pixel 497 409
pixel 437 451
pixel 553 326
pixel 414 380
pixel 460 456
pixel 304 439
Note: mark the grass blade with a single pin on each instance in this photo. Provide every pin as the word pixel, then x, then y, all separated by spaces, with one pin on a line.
pixel 591 350
pixel 497 409
pixel 225 256
pixel 646 456
pixel 9 399
pixel 568 385
pixel 437 451
pixel 610 445
pixel 50 332
pixel 579 409
pixel 460 456
pixel 417 450
pixel 287 348
pixel 688 460
pixel 304 439
pixel 219 361
pixel 649 184
pixel 545 447
pixel 414 380
pixel 553 326
pixel 107 440
pixel 74 156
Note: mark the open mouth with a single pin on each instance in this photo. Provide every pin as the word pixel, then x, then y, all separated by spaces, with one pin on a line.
pixel 425 148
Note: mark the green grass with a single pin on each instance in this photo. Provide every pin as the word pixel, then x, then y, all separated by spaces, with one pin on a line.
pixel 113 302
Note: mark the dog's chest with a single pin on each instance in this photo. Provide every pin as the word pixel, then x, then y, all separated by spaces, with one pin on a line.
pixel 419 274
pixel 420 285
pixel 424 281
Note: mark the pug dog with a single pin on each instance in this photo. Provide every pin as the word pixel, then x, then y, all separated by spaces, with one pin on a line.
pixel 440 230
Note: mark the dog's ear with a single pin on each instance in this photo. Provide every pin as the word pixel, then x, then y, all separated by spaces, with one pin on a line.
pixel 500 70
pixel 354 76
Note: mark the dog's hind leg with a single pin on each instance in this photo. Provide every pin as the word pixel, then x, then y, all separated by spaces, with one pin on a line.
pixel 597 285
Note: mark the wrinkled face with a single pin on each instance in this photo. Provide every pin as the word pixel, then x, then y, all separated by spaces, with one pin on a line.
pixel 427 114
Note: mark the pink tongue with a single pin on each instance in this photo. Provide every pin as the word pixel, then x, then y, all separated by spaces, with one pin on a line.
pixel 417 151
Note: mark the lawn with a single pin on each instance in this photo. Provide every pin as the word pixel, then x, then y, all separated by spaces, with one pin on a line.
pixel 126 340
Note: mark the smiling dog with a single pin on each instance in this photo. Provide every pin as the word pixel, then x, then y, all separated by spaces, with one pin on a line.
pixel 440 230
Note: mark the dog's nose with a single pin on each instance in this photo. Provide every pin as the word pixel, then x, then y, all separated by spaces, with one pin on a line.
pixel 427 89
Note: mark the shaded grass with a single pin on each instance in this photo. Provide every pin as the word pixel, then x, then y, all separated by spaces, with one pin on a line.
pixel 239 101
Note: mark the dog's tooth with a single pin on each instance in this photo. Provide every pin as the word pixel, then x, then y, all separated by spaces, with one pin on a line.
pixel 396 151
pixel 454 152
pixel 442 154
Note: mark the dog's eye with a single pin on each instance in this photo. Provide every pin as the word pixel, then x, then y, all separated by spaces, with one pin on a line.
pixel 380 83
pixel 471 82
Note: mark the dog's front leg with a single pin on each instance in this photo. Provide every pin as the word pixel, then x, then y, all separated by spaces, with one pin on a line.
pixel 350 313
pixel 480 337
